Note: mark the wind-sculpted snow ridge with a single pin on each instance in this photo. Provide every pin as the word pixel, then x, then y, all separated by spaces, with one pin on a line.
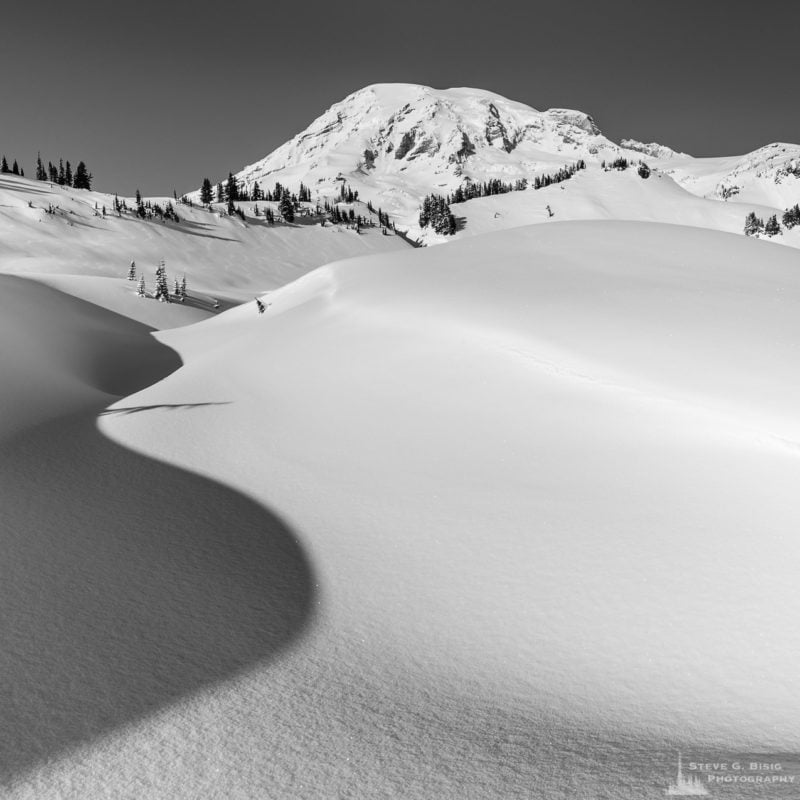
pixel 127 585
pixel 547 478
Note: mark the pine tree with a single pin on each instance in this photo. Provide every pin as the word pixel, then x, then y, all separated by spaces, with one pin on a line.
pixel 15 168
pixel 82 179
pixel 286 207
pixel 231 188
pixel 644 170
pixel 132 271
pixel 68 174
pixel 753 225
pixel 220 193
pixel 162 287
pixel 41 175
pixel 183 289
pixel 140 289
pixel 206 192
pixel 772 228
pixel 4 166
pixel 791 217
pixel 61 176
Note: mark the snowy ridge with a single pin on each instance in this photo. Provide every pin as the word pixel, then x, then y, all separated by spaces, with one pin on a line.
pixel 769 176
pixel 652 149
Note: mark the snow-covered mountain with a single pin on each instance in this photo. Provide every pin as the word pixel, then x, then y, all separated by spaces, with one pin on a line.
pixel 396 143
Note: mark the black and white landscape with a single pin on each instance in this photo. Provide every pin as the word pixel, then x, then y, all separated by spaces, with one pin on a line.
pixel 449 450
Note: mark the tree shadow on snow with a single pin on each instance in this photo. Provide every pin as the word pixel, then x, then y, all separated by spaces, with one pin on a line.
pixel 126 584
pixel 157 406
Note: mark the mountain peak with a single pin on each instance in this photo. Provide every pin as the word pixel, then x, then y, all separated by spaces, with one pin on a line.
pixel 397 142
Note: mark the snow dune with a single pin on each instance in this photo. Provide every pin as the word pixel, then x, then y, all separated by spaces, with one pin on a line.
pixel 546 483
pixel 125 583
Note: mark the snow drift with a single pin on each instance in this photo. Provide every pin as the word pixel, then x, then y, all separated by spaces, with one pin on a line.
pixel 546 479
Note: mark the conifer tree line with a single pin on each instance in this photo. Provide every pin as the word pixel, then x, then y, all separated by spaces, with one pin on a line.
pixel 470 190
pixel 15 169
pixel 231 192
pixel 62 174
pixel 753 225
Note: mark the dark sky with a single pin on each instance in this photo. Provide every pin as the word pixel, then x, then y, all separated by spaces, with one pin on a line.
pixel 158 95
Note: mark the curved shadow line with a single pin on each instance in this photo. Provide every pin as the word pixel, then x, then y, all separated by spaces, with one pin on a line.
pixel 127 583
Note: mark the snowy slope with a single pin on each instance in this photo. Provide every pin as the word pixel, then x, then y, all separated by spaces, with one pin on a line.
pixel 546 483
pixel 768 176
pixel 595 194
pixel 222 257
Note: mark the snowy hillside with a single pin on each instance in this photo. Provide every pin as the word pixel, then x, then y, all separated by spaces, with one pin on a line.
pixel 517 476
pixel 60 233
pixel 593 194
pixel 769 176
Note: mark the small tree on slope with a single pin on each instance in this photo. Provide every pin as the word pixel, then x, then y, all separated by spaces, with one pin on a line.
pixel 772 228
pixel 753 225
pixel 132 271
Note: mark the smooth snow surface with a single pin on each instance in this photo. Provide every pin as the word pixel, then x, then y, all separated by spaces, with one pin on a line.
pixel 543 483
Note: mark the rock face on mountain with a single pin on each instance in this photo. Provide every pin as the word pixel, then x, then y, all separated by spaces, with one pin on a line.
pixel 396 143
pixel 652 149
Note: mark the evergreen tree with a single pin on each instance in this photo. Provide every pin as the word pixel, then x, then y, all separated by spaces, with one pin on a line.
pixel 15 168
pixel 206 192
pixel 132 271
pixel 52 172
pixel 753 225
pixel 4 166
pixel 41 175
pixel 140 289
pixel 183 289
pixel 644 170
pixel 231 189
pixel 68 174
pixel 791 217
pixel 286 207
pixel 220 193
pixel 772 228
pixel 61 176
pixel 162 286
pixel 82 179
